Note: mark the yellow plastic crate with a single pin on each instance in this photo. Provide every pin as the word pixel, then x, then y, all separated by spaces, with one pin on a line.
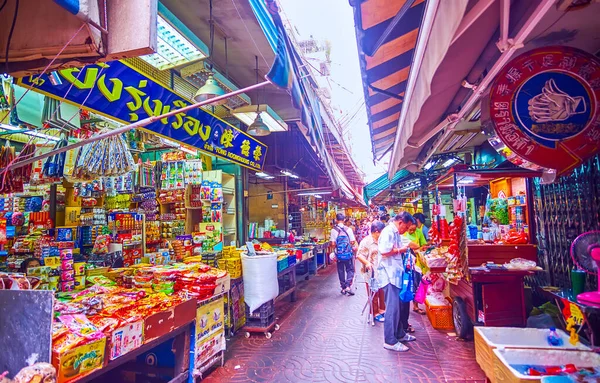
pixel 440 316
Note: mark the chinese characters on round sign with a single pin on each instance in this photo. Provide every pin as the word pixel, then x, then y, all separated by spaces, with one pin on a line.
pixel 544 108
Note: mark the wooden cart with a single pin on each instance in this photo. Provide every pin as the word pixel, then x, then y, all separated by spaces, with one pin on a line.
pixel 492 297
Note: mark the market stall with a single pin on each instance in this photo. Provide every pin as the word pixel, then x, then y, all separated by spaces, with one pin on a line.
pixel 125 313
pixel 488 250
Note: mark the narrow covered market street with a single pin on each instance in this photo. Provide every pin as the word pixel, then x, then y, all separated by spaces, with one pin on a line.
pixel 324 338
pixel 282 191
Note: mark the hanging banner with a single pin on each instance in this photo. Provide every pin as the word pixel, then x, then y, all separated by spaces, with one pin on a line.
pixel 544 109
pixel 120 92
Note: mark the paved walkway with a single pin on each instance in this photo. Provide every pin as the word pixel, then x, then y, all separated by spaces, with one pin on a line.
pixel 324 338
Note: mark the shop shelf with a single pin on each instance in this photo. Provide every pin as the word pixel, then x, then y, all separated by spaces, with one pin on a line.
pixel 440 316
pixel 320 258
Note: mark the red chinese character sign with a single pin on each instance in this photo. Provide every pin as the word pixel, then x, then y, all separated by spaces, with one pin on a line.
pixel 544 107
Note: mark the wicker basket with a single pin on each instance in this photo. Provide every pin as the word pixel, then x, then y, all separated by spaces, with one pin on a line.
pixel 440 316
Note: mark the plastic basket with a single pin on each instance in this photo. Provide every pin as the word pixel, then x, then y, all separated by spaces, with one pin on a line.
pixel 440 316
pixel 282 264
pixel 291 260
pixel 263 323
pixel 264 311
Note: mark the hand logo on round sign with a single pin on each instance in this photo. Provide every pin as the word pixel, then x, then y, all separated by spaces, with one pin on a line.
pixel 543 107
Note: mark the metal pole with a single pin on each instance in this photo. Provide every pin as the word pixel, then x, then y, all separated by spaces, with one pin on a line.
pixel 138 124
pixel 53 204
pixel 285 206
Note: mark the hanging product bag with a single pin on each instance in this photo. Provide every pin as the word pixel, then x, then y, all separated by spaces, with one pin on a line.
pixel 407 293
pixel 422 291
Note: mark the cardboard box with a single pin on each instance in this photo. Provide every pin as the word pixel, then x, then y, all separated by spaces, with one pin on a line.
pixel 223 285
pixel 71 200
pixel 165 322
pixel 208 348
pixel 126 338
pixel 72 216
pixel 80 361
pixel 209 319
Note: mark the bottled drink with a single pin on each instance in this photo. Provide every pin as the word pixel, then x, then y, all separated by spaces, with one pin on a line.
pixel 553 338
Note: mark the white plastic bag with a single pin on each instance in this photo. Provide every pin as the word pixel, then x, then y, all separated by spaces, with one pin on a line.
pixel 260 279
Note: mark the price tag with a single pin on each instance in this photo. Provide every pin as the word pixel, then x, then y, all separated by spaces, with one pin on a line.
pixel 576 314
pixel 571 310
pixel 52 262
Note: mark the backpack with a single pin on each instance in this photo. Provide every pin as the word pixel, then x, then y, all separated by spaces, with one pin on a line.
pixel 343 248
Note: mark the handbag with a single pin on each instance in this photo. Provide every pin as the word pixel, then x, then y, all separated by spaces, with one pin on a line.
pixel 407 292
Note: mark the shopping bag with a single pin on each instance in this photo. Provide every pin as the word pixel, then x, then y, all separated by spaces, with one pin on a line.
pixel 407 292
pixel 422 291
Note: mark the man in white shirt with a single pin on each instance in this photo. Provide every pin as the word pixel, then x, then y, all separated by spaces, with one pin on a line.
pixel 390 271
pixel 343 240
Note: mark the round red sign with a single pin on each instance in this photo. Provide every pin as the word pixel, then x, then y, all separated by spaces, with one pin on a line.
pixel 543 105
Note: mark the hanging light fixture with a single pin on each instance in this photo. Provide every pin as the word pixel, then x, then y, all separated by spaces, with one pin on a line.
pixel 258 128
pixel 211 88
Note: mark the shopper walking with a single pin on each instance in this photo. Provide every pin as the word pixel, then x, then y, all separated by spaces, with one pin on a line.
pixel 343 240
pixel 368 252
pixel 390 270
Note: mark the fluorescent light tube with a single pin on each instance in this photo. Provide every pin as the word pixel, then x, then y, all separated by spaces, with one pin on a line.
pixel 31 133
pixel 176 44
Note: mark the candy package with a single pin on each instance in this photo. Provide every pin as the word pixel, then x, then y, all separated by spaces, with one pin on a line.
pixel 101 244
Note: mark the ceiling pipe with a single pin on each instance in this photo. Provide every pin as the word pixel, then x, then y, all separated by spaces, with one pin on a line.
pixel 504 41
pixel 540 11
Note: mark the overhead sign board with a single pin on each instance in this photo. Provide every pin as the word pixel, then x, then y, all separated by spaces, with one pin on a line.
pixel 544 108
pixel 120 92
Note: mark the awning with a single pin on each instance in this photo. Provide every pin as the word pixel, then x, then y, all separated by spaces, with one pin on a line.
pixel 467 43
pixel 289 72
pixel 387 34
pixel 383 183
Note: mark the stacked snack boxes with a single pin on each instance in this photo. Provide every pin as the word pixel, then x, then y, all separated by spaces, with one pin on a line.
pixel 231 261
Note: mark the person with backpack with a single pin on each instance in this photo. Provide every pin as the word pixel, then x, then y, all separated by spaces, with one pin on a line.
pixel 391 270
pixel 343 240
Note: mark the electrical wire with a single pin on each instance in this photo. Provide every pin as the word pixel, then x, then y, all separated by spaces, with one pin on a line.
pixel 211 27
pixel 47 67
pixel 249 34
pixel 10 34
pixel 31 139
pixel 3 5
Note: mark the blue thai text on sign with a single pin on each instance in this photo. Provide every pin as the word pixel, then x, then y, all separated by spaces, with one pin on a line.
pixel 116 90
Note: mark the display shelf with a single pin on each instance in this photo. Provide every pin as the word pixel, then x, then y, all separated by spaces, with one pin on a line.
pixel 182 331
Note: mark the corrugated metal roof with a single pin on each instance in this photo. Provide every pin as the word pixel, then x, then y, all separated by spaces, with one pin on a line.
pixel 382 183
pixel 387 34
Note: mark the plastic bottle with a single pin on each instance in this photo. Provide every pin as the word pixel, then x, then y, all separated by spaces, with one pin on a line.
pixel 553 338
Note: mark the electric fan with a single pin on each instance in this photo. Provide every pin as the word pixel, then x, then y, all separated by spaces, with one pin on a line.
pixel 585 251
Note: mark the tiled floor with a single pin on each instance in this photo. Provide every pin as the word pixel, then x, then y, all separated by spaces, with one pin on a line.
pixel 324 338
